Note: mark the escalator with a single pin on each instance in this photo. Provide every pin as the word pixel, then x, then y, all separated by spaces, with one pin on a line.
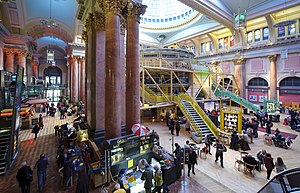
pixel 284 182
pixel 198 120
pixel 4 148
pixel 219 92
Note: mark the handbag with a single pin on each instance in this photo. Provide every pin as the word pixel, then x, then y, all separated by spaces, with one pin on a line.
pixel 29 176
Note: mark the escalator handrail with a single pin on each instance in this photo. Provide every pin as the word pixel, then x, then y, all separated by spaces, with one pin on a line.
pixel 280 176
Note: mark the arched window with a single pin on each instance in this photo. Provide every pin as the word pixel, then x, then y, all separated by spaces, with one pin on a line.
pixel 53 76
pixel 257 82
pixel 257 35
pixel 290 81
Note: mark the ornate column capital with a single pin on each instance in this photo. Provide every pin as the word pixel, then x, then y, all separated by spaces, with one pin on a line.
pixel 99 20
pixel 84 36
pixel 114 6
pixel 273 58
pixel 21 52
pixel 135 10
pixel 9 50
pixel 89 22
pixel 240 61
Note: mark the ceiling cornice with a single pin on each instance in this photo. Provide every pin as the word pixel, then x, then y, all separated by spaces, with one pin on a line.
pixel 211 10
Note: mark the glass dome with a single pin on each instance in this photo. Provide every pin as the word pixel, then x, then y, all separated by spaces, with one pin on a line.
pixel 166 14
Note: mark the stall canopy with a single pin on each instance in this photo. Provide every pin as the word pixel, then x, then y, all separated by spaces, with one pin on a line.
pixel 37 101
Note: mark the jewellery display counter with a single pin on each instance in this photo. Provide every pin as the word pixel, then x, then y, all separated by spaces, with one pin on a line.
pixel 123 155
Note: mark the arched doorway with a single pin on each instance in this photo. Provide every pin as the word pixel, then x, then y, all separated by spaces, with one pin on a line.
pixel 257 90
pixel 227 84
pixel 53 79
pixel 289 91
pixel 53 76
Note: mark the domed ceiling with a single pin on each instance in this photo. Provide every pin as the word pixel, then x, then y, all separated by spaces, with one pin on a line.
pixel 166 14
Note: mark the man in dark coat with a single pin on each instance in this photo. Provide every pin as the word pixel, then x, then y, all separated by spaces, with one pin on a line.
pixel 41 166
pixel 35 130
pixel 219 152
pixel 147 176
pixel 67 172
pixel 192 162
pixel 177 127
pixel 82 182
pixel 24 177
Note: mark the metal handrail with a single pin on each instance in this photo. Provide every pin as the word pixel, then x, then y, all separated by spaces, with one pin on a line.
pixel 192 122
pixel 213 128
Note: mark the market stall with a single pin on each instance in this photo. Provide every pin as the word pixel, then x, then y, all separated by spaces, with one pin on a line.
pixel 124 154
pixel 27 113
pixel 272 108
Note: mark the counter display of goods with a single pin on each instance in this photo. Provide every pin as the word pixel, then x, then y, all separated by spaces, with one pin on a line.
pixel 162 154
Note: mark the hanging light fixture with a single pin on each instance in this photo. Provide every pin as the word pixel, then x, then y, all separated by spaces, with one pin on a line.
pixel 49 22
pixel 240 20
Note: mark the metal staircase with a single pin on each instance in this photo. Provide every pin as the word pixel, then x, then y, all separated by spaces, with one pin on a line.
pixel 198 120
pixel 4 148
pixel 245 103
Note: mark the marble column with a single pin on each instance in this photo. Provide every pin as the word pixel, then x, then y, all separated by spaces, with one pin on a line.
pixel 21 59
pixel 9 62
pixel 123 75
pixel 90 73
pixel 134 10
pixel 113 68
pixel 99 72
pixel 71 61
pixel 35 65
pixel 75 79
pixel 82 80
pixel 239 74
pixel 85 38
pixel 273 77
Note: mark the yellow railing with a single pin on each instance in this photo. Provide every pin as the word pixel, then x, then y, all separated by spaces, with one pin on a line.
pixel 202 114
pixel 191 121
pixel 154 98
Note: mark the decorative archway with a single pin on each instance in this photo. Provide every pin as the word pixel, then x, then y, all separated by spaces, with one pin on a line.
pixel 289 91
pixel 53 76
pixel 258 90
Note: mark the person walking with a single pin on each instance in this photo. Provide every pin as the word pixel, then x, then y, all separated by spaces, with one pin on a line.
pixel 35 130
pixel 207 142
pixel 82 182
pixel 41 122
pixel 177 127
pixel 280 166
pixel 147 176
pixel 67 172
pixel 220 148
pixel 192 162
pixel 41 166
pixel 158 179
pixel 168 118
pixel 172 125
pixel 269 164
pixel 24 177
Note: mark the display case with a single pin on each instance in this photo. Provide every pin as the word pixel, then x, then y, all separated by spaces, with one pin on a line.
pixel 231 121
pixel 147 143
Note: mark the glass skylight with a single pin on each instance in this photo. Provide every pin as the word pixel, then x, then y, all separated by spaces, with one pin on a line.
pixel 164 14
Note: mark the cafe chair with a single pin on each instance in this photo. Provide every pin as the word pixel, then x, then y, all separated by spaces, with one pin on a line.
pixel 238 163
pixel 249 168
pixel 243 154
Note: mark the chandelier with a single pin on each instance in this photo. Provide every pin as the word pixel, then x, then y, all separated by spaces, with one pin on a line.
pixel 239 20
pixel 49 22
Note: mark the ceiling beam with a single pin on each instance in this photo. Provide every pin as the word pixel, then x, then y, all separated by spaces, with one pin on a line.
pixel 208 8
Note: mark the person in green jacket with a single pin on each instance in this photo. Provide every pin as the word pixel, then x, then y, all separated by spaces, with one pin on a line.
pixel 158 179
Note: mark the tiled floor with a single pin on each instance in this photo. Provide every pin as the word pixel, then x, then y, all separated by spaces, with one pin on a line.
pixel 210 177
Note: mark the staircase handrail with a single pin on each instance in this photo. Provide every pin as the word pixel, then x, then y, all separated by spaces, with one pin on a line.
pixel 213 128
pixel 219 91
pixel 192 122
